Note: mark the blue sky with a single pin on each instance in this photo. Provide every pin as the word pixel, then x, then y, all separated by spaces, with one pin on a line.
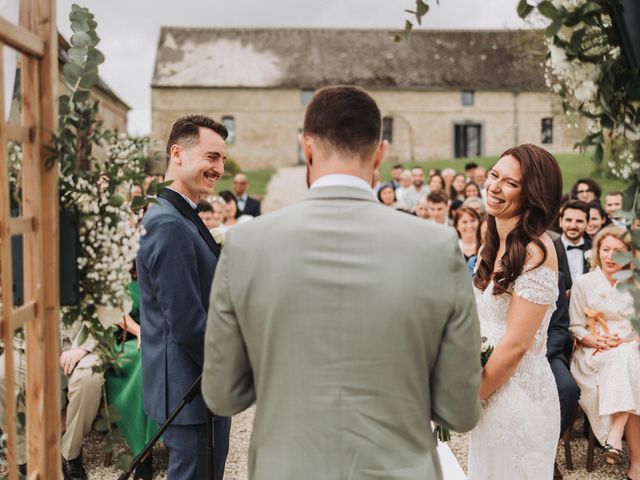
pixel 129 28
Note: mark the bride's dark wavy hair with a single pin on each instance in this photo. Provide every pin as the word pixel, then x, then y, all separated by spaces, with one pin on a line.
pixel 542 192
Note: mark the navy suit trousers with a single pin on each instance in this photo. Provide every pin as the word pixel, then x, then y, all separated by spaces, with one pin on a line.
pixel 187 445
pixel 568 391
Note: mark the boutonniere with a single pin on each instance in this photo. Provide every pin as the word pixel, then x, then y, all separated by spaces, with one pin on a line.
pixel 218 236
pixel 588 255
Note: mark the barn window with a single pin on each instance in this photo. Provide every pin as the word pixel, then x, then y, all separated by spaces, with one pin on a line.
pixel 467 98
pixel 230 124
pixel 546 130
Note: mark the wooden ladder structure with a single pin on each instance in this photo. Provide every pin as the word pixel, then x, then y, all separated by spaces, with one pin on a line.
pixel 35 40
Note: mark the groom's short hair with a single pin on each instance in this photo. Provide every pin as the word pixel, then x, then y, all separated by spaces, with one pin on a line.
pixel 186 131
pixel 345 117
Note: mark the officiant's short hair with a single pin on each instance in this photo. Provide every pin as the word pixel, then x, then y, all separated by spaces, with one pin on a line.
pixel 186 131
pixel 346 117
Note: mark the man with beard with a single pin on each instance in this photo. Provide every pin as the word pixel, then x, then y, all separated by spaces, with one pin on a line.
pixel 417 190
pixel 573 243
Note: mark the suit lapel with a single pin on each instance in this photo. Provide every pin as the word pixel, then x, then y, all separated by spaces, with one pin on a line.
pixel 175 199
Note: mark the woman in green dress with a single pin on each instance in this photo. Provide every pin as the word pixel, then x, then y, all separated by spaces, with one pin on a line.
pixel 124 385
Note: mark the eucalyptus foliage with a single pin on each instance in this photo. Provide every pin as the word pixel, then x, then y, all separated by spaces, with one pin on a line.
pixel 98 168
pixel 587 67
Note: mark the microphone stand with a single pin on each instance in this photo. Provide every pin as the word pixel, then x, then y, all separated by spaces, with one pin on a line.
pixel 192 393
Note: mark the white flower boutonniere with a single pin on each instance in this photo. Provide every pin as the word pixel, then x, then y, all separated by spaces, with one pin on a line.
pixel 588 255
pixel 218 236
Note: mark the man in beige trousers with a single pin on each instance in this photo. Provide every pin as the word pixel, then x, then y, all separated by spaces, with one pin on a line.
pixel 351 325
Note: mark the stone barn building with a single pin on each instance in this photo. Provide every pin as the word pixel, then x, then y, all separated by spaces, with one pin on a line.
pixel 442 94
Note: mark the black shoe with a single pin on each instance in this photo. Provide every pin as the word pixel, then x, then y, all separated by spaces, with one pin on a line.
pixel 73 469
pixel 22 469
pixel 144 470
pixel 557 474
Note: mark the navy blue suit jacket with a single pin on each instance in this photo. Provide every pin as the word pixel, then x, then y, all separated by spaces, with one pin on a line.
pixel 175 266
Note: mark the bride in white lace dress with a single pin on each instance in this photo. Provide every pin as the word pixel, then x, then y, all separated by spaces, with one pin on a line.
pixel 516 288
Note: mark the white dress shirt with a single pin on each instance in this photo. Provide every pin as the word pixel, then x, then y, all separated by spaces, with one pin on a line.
pixel 575 257
pixel 242 201
pixel 191 202
pixel 342 180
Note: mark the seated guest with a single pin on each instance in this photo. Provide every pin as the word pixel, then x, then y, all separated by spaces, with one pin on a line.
pixel 448 174
pixel 471 189
pixel 124 385
pixel 478 177
pixel 613 206
pixel 607 363
pixel 422 210
pixel 586 190
pixel 573 243
pixel 598 219
pixel 396 176
pixel 477 204
pixel 417 190
pixel 84 392
pixel 469 168
pixel 466 221
pixel 437 206
pixel 387 196
pixel 436 183
pixel 206 213
pixel 246 205
pixel 231 217
pixel 405 185
pixel 456 190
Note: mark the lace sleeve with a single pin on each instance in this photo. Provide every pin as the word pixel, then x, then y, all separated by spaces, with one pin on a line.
pixel 538 285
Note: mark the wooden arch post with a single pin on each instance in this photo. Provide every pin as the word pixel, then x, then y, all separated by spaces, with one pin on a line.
pixel 35 38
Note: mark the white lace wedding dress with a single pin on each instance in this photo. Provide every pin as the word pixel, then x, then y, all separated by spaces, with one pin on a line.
pixel 519 428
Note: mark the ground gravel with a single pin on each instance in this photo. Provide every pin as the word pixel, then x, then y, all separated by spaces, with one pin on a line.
pixel 236 468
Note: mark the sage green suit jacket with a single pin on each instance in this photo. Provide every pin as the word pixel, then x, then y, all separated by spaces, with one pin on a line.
pixel 351 326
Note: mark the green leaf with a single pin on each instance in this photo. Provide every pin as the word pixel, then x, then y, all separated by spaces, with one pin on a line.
pixel 71 73
pixel 598 154
pixel 547 9
pixel 152 189
pixel 591 7
pixel 80 26
pixel 63 105
pixel 78 54
pixel 623 258
pixel 524 9
pixel 81 96
pixel 138 202
pixel 89 80
pixel 101 425
pixel 576 39
pixel 82 335
pixel 622 275
pixel 81 39
pixel 95 56
pixel 553 28
pixel 421 10
pixel 116 200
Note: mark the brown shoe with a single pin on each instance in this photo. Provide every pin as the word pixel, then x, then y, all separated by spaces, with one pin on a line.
pixel 557 475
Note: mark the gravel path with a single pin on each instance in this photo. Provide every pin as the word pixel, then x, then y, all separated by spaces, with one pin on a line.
pixel 287 186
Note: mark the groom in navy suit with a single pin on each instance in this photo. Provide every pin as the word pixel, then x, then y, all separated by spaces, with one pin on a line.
pixel 176 263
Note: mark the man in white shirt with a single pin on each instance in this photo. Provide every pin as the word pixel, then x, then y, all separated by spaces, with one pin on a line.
pixel 573 243
pixel 438 206
pixel 415 192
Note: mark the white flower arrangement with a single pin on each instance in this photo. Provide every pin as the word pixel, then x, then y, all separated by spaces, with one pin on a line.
pixel 586 68
pixel 109 230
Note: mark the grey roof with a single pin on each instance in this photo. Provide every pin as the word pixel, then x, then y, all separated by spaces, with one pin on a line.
pixel 311 58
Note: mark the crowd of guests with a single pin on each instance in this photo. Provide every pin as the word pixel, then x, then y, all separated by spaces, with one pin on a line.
pixel 592 346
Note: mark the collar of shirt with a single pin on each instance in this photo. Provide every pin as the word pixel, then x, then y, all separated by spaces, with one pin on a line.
pixel 342 180
pixel 191 202
pixel 566 242
pixel 243 197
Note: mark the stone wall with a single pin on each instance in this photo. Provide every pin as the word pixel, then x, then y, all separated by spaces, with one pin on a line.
pixel 268 120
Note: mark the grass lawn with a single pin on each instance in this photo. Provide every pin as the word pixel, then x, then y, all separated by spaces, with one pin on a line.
pixel 258 181
pixel 574 166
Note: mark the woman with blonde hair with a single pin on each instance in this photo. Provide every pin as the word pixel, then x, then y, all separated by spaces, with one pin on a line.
pixel 607 362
